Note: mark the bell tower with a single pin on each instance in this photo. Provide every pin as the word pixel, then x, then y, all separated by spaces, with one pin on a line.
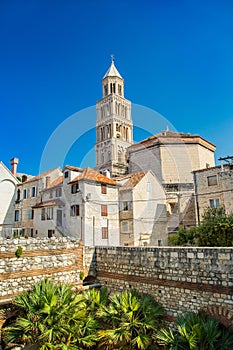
pixel 114 127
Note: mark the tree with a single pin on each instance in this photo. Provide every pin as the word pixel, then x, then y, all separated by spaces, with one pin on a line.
pixel 131 320
pixel 215 230
pixel 196 332
pixel 52 316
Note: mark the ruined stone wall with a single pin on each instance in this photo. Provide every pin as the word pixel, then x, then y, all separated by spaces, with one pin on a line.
pixel 181 279
pixel 60 259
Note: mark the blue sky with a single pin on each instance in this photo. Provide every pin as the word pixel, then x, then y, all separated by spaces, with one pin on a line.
pixel 176 58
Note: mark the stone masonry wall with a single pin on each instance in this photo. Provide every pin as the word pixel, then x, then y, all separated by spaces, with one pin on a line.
pixel 181 279
pixel 60 259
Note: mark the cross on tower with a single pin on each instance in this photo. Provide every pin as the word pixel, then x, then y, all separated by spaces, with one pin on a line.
pixel 112 57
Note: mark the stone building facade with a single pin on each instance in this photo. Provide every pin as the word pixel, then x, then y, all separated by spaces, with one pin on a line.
pixel 29 194
pixel 91 209
pixel 214 188
pixel 78 203
pixel 172 156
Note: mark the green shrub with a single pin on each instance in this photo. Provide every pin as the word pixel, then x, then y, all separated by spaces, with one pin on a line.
pixel 19 252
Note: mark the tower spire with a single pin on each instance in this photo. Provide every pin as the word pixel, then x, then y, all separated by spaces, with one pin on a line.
pixel 113 125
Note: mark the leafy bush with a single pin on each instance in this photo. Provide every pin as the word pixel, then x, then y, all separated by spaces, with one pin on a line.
pixel 215 230
pixel 19 252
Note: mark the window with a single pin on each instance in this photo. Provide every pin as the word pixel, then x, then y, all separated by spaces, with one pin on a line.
pixel 33 191
pixel 212 180
pixel 105 90
pixel 66 174
pixel 58 192
pixel 214 203
pixel 31 232
pixel 43 214
pixel 49 213
pixel 125 205
pixel 104 210
pixel 74 210
pixel 25 193
pixel 74 188
pixel 51 194
pixel 18 195
pixel 30 214
pixel 16 215
pixel 104 189
pixel 104 232
pixel 125 226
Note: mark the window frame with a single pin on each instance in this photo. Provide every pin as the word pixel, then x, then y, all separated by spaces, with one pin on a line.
pixel 33 191
pixel 104 210
pixel 75 210
pixel 214 202
pixel 125 205
pixel 104 231
pixel 16 215
pixel 58 192
pixel 75 188
pixel 122 224
pixel 212 180
pixel 30 214
pixel 24 193
pixel 103 189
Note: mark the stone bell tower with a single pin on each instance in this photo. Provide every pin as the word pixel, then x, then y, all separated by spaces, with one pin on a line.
pixel 114 127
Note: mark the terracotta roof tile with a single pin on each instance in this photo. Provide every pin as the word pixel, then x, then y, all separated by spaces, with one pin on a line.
pixel 39 176
pixel 171 137
pixel 74 168
pixel 92 175
pixel 134 179
pixel 56 182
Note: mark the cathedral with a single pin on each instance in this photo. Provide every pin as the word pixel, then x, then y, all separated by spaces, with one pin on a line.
pixel 172 157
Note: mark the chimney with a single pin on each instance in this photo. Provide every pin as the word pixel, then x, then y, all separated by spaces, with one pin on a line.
pixel 14 162
pixel 47 181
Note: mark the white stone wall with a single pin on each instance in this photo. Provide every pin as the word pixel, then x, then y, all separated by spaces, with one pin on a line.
pixel 8 195
pixel 148 208
pixel 171 163
pixel 88 225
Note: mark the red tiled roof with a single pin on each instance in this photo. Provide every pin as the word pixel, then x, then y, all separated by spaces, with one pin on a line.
pixel 50 203
pixel 56 182
pixel 134 179
pixel 74 168
pixel 171 137
pixel 92 175
pixel 39 176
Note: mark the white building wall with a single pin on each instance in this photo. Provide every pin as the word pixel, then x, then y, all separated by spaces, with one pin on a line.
pixel 8 189
pixel 93 219
pixel 149 201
